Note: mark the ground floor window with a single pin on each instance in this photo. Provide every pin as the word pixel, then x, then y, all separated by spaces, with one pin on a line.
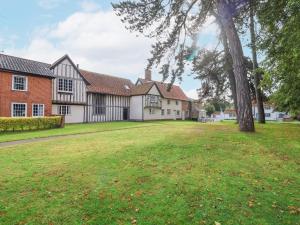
pixel 178 113
pixel 267 114
pixel 151 111
pixel 64 110
pixel 37 110
pixel 168 111
pixel 162 112
pixel 99 102
pixel 19 109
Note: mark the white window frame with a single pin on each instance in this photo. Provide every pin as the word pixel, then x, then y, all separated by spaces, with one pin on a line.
pixel 38 104
pixel 12 109
pixel 13 82
pixel 63 85
pixel 67 106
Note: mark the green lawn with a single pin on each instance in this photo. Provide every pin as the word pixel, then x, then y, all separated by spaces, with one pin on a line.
pixel 69 129
pixel 166 173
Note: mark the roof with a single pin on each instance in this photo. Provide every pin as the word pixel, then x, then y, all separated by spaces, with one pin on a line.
pixel 141 89
pixel 174 93
pixel 26 66
pixel 107 84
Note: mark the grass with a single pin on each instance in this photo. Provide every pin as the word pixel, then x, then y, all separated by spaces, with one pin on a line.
pixel 68 129
pixel 171 173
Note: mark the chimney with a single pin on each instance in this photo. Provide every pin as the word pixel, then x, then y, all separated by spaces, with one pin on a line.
pixel 148 75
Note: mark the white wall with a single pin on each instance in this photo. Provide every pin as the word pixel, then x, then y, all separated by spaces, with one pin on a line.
pixel 157 112
pixel 76 116
pixel 136 108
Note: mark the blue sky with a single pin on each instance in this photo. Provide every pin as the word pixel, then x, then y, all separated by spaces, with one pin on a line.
pixel 87 30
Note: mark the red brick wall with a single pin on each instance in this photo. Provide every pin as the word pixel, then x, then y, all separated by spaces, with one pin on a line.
pixel 39 91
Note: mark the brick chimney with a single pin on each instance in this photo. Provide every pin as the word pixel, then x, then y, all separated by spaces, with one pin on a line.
pixel 148 75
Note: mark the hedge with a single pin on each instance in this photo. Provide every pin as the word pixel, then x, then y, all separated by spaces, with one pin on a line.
pixel 30 123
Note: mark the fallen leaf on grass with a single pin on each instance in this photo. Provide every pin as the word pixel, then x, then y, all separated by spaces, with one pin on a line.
pixel 217 223
pixel 294 210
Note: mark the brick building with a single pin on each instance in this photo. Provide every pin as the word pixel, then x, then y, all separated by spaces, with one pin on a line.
pixel 25 87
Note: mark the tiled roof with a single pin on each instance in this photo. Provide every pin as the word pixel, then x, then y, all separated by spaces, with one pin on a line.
pixel 174 93
pixel 20 65
pixel 141 89
pixel 106 84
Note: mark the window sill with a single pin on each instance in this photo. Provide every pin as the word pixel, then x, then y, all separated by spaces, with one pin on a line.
pixel 19 90
pixel 66 92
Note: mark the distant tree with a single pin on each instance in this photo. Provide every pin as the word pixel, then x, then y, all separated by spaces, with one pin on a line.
pixel 210 109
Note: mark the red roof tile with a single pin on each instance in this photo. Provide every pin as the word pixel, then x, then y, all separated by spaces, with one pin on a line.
pixel 106 84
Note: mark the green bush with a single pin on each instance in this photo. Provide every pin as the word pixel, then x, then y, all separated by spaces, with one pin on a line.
pixel 29 123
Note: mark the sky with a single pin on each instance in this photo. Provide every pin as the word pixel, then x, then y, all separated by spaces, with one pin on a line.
pixel 89 32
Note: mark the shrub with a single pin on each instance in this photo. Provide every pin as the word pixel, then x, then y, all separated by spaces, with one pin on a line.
pixel 29 123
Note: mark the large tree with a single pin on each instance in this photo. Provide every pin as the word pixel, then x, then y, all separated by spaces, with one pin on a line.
pixel 280 31
pixel 172 22
pixel 256 72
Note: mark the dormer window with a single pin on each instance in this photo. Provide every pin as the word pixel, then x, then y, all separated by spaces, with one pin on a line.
pixel 19 83
pixel 126 87
pixel 65 85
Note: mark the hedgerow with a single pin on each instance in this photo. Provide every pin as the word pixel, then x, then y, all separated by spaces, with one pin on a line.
pixel 29 123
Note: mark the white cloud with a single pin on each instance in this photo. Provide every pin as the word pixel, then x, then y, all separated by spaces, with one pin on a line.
pixel 97 41
pixel 89 6
pixel 50 4
pixel 192 93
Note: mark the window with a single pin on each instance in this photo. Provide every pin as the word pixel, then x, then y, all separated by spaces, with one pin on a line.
pixel 178 112
pixel 267 114
pixel 65 85
pixel 99 107
pixel 19 110
pixel 281 115
pixel 19 83
pixel 177 102
pixel 168 111
pixel 37 110
pixel 169 101
pixel 64 110
pixel 151 111
pixel 162 112
pixel 153 98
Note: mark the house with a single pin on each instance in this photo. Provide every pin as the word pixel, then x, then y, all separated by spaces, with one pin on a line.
pixel 270 112
pixel 153 100
pixel 25 87
pixel 62 88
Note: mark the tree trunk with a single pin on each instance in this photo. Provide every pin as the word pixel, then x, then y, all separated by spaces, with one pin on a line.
pixel 256 74
pixel 242 86
pixel 228 65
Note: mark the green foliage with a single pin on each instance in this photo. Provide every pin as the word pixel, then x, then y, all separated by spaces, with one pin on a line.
pixel 29 123
pixel 210 109
pixel 280 23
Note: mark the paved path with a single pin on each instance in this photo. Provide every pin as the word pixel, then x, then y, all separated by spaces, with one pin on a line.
pixel 41 139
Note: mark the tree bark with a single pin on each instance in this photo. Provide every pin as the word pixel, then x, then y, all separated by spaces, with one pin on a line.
pixel 256 74
pixel 246 122
pixel 228 65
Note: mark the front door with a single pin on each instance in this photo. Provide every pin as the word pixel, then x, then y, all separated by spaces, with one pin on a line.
pixel 125 113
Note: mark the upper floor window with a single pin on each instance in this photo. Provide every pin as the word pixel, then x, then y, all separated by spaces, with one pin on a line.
pixel 37 110
pixel 177 102
pixel 65 85
pixel 64 110
pixel 19 83
pixel 154 98
pixel 169 101
pixel 19 110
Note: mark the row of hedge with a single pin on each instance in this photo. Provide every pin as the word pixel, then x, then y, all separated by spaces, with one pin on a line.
pixel 30 123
